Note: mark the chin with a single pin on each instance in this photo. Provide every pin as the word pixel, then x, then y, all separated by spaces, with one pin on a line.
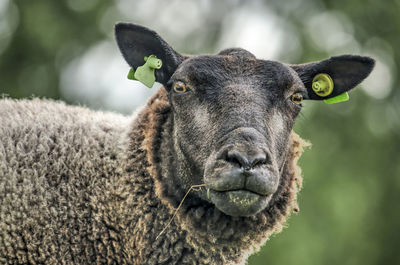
pixel 239 202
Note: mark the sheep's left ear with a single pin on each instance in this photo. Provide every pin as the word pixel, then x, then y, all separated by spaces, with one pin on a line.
pixel 345 71
pixel 137 42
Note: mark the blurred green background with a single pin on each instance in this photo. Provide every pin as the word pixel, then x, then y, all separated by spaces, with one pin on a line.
pixel 349 206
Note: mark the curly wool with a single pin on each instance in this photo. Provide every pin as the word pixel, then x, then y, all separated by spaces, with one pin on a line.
pixel 56 164
pixel 84 187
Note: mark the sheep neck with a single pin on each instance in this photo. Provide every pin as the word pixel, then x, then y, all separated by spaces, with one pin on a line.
pixel 199 232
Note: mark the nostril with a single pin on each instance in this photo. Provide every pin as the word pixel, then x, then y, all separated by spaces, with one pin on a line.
pixel 259 161
pixel 237 159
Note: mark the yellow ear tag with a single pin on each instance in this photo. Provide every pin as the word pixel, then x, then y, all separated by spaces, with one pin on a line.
pixel 322 85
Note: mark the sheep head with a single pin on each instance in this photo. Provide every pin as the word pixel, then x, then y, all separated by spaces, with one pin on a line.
pixel 233 114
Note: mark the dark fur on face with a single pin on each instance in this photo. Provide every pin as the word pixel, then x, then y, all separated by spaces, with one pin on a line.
pixel 237 108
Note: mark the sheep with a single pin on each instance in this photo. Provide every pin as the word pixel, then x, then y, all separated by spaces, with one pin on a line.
pixel 86 187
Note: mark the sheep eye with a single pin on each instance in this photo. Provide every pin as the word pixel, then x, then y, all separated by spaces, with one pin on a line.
pixel 180 87
pixel 297 98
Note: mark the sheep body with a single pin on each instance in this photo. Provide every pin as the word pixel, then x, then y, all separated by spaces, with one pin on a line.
pixel 78 187
pixel 55 162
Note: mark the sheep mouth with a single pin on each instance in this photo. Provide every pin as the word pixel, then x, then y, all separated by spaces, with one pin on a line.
pixel 240 192
pixel 239 202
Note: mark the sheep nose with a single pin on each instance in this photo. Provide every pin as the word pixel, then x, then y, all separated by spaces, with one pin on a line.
pixel 246 161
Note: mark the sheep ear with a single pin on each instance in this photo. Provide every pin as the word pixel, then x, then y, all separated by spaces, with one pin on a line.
pixel 341 72
pixel 136 42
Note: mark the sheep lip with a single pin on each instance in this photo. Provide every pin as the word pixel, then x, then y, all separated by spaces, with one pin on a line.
pixel 240 202
pixel 239 191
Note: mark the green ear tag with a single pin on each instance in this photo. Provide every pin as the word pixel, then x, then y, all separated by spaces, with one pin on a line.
pixel 131 74
pixel 340 98
pixel 322 85
pixel 145 73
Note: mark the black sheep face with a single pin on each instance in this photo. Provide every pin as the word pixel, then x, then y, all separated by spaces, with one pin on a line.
pixel 233 114
pixel 233 123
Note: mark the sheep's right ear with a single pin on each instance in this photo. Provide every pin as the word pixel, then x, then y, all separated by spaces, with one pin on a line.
pixel 137 42
pixel 343 72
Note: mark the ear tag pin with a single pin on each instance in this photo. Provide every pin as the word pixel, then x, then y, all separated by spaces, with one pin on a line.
pixel 145 73
pixel 322 85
